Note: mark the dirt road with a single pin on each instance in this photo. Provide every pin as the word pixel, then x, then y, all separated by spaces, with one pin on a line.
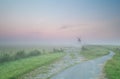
pixel 86 70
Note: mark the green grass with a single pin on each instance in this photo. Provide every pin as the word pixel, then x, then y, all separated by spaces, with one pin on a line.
pixel 112 67
pixel 93 51
pixel 14 69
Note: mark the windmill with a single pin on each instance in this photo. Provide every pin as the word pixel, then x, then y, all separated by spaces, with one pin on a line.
pixel 79 40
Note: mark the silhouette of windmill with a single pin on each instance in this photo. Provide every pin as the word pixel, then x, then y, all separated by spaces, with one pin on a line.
pixel 79 40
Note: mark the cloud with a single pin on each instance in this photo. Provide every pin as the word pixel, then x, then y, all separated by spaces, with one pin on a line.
pixel 72 26
pixel 64 27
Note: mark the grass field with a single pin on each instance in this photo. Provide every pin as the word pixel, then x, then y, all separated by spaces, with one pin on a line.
pixel 93 51
pixel 15 68
pixel 112 67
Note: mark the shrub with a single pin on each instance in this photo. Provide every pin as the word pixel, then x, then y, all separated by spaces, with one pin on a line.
pixel 57 50
pixel 34 53
pixel 4 57
pixel 20 54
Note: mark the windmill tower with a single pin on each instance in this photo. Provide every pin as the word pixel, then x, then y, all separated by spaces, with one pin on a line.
pixel 79 41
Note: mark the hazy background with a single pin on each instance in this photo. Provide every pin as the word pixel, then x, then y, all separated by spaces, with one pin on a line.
pixel 59 22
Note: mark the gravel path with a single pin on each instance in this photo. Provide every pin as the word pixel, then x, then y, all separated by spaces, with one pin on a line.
pixel 86 70
pixel 72 57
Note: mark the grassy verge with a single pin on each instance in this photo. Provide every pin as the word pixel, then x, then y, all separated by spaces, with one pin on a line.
pixel 112 67
pixel 14 69
pixel 92 51
pixel 8 54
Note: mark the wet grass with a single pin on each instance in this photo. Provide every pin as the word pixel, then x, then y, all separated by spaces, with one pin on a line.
pixel 112 67
pixel 93 51
pixel 8 54
pixel 14 69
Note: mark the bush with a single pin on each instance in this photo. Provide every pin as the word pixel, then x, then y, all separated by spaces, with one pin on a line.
pixel 4 57
pixel 20 54
pixel 84 48
pixel 34 53
pixel 57 50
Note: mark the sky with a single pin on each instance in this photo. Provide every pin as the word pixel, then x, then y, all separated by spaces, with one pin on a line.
pixel 59 21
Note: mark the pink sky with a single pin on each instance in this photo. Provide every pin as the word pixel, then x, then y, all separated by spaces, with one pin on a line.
pixel 59 21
